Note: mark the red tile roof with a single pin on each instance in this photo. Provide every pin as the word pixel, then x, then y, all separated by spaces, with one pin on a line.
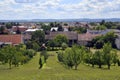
pixel 14 39
pixel 22 29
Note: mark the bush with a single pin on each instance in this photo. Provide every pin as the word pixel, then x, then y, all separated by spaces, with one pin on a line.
pixel 44 53
pixel 60 56
pixel 41 62
pixel 64 46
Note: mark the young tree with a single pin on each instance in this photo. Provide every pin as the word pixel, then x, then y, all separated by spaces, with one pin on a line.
pixel 107 54
pixel 41 62
pixel 68 58
pixel 77 56
pixel 60 56
pixel 71 57
pixel 44 53
pixel 64 46
pixel 114 56
pixel 99 58
pixel 10 53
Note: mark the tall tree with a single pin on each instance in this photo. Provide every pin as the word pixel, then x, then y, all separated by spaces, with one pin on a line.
pixel 102 22
pixel 39 37
pixel 59 39
pixel 60 28
pixel 2 28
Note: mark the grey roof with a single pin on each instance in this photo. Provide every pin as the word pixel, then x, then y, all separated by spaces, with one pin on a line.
pixel 70 35
pixel 1 43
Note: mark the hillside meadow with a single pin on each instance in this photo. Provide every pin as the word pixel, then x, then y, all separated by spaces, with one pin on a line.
pixel 53 70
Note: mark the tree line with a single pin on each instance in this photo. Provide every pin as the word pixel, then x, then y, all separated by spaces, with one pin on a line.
pixel 15 55
pixel 72 57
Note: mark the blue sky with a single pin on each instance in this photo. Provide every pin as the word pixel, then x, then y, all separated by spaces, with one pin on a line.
pixel 59 9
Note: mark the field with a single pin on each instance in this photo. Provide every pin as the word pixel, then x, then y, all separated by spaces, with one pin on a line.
pixel 53 70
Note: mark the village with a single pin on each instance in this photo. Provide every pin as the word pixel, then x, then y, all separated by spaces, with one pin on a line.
pixel 81 33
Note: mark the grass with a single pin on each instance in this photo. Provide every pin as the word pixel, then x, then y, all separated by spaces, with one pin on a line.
pixel 53 70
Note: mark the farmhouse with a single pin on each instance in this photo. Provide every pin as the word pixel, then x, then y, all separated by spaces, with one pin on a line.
pixel 83 39
pixel 118 42
pixel 20 28
pixel 11 39
pixel 71 36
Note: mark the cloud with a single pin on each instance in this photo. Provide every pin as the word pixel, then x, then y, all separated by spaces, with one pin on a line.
pixel 10 9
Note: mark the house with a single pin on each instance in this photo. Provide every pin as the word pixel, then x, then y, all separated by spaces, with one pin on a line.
pixel 53 29
pixel 27 37
pixel 103 32
pixel 20 28
pixel 71 36
pixel 83 39
pixel 11 39
pixel 117 42
pixel 31 30
pixel 65 28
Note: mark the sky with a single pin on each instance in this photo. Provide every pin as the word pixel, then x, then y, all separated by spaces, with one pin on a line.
pixel 59 9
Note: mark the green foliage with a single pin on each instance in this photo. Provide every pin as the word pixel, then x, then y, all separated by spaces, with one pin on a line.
pixel 60 28
pixel 64 46
pixel 59 39
pixel 71 57
pixel 53 67
pixel 2 28
pixel 100 40
pixel 46 27
pixel 14 55
pixel 60 56
pixel 107 54
pixel 51 43
pixel 44 53
pixel 101 27
pixel 41 62
pixel 43 58
pixel 98 58
pixel 39 37
pixel 80 29
pixel 102 22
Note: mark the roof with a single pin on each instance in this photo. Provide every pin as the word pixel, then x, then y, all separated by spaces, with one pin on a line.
pixel 27 36
pixel 103 31
pixel 32 30
pixel 21 28
pixel 97 31
pixel 86 36
pixel 14 39
pixel 54 28
pixel 69 35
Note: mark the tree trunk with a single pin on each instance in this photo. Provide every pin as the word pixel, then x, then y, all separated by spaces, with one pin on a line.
pixel 75 67
pixel 100 66
pixel 10 64
pixel 92 65
pixel 108 66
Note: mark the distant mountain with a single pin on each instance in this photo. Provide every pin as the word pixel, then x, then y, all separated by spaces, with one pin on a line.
pixel 65 20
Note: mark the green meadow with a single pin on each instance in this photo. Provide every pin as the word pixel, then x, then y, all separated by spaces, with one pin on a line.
pixel 53 70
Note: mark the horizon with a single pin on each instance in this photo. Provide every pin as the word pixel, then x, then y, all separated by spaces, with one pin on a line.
pixel 64 19
pixel 59 9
